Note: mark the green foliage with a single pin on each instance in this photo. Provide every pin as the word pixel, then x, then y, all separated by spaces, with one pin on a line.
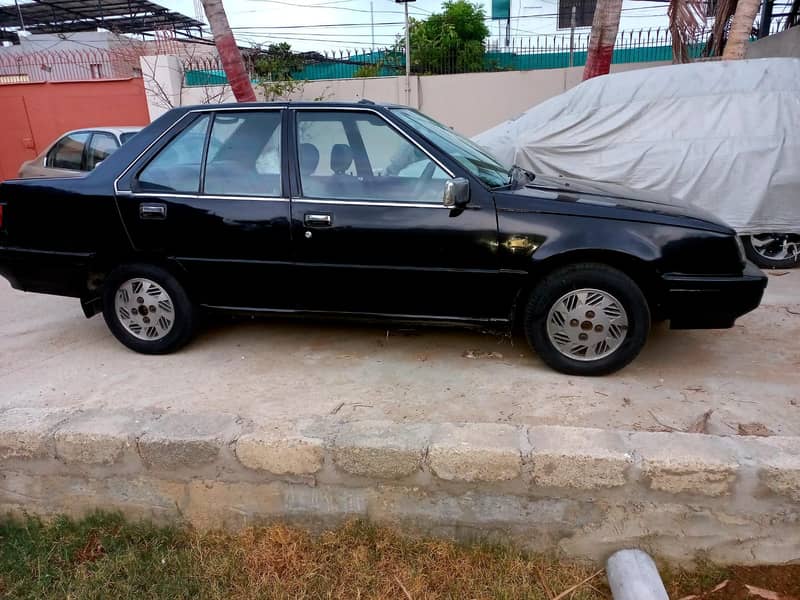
pixel 368 71
pixel 277 62
pixel 282 89
pixel 101 556
pixel 450 41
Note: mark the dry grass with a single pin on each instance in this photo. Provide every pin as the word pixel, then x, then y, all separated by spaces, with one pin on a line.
pixel 362 561
pixel 104 556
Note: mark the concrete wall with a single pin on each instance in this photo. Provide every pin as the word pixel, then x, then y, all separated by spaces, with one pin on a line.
pixel 785 43
pixel 583 492
pixel 468 102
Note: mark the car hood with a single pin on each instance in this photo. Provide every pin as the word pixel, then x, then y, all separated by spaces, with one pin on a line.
pixel 579 196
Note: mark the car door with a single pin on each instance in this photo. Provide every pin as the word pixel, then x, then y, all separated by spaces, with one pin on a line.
pixel 210 197
pixel 370 231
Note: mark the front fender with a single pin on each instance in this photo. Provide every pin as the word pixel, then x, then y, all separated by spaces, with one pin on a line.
pixel 529 240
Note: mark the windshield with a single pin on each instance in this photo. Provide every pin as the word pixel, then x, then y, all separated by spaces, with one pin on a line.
pixel 467 153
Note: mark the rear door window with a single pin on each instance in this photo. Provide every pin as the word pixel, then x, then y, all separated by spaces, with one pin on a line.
pixel 68 152
pixel 176 168
pixel 244 154
pixel 100 148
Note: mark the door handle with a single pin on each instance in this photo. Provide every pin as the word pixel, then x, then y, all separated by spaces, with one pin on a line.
pixel 317 220
pixel 152 210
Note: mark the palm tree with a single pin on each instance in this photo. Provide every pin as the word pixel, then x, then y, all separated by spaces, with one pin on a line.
pixel 605 26
pixel 742 25
pixel 686 18
pixel 228 51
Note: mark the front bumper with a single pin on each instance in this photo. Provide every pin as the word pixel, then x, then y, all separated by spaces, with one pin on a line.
pixel 710 301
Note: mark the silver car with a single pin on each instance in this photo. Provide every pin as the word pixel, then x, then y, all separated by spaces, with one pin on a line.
pixel 77 152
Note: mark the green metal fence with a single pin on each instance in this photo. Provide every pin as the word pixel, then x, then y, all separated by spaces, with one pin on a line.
pixel 540 52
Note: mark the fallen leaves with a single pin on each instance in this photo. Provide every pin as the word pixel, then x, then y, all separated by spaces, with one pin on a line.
pixel 475 354
pixel 699 426
pixel 717 588
pixel 757 429
pixel 752 592
pixel 757 592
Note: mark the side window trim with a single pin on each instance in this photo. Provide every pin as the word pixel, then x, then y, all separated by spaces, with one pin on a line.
pixel 85 153
pixel 204 156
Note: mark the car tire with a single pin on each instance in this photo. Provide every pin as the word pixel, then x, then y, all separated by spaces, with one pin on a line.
pixel 759 248
pixel 147 309
pixel 587 319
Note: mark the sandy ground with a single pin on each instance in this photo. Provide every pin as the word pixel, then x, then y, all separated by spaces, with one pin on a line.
pixel 51 356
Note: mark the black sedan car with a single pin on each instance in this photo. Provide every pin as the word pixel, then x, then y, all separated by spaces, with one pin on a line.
pixel 365 210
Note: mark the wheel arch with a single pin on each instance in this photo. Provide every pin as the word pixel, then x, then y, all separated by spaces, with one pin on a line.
pixel 104 263
pixel 643 273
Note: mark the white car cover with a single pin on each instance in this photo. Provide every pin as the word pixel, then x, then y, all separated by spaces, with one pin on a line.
pixel 724 136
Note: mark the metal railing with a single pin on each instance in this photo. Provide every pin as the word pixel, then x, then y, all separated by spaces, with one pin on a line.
pixel 520 54
pixel 68 65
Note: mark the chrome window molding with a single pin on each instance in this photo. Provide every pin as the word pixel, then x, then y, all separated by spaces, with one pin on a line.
pixel 190 196
pixel 369 203
pixel 281 107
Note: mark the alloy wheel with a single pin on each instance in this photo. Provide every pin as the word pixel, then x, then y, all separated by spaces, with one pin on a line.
pixel 144 309
pixel 587 324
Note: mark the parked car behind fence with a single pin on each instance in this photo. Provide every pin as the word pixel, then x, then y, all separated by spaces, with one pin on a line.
pixel 76 152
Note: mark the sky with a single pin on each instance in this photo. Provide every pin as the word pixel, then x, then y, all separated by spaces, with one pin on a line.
pixel 345 24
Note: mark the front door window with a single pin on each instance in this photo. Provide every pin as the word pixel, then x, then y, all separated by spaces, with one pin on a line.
pixel 357 155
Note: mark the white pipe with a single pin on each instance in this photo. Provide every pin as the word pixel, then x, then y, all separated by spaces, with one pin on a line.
pixel 632 575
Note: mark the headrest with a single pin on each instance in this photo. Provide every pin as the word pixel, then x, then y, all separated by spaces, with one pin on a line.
pixel 341 158
pixel 309 158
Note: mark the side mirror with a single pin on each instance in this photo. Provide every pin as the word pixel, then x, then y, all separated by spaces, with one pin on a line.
pixel 456 193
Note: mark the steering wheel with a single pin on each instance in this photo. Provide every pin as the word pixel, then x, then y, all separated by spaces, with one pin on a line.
pixel 424 179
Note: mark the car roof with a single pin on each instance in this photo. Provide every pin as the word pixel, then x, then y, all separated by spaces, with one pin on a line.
pixel 363 103
pixel 115 129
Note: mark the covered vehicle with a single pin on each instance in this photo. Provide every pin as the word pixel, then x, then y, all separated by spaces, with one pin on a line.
pixel 367 210
pixel 723 136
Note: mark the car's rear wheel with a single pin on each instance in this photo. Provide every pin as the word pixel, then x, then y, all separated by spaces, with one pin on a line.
pixel 587 319
pixel 773 250
pixel 147 309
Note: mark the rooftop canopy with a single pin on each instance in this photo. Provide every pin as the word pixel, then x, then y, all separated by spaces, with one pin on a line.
pixel 63 16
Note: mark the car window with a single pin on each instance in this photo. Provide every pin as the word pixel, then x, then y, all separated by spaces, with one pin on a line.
pixel 354 155
pixel 176 168
pixel 68 152
pixel 244 154
pixel 126 136
pixel 100 148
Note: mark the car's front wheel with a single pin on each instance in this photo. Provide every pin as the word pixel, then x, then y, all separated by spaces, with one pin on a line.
pixel 147 309
pixel 587 319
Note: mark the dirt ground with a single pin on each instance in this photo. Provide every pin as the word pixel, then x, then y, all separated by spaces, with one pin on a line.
pixel 50 356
